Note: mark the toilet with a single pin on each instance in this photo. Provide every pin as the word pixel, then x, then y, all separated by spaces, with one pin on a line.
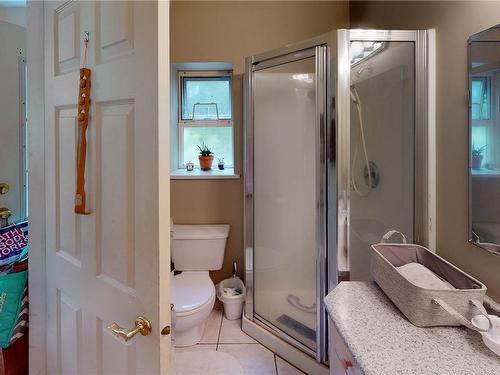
pixel 196 250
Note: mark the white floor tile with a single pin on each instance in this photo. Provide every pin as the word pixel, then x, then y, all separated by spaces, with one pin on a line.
pixel 284 368
pixel 204 360
pixel 212 328
pixel 235 354
pixel 196 348
pixel 254 359
pixel 231 333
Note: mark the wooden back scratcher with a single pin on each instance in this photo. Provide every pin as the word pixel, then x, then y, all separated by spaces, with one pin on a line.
pixel 83 122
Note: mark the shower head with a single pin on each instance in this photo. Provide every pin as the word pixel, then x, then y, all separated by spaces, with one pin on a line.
pixel 356 76
pixel 362 51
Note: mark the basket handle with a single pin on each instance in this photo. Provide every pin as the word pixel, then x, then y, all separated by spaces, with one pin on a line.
pixel 459 317
pixel 392 232
pixel 479 305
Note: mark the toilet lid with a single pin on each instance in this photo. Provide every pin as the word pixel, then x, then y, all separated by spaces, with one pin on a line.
pixel 191 290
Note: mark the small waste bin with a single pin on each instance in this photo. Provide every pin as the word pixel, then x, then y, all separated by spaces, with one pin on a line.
pixel 231 292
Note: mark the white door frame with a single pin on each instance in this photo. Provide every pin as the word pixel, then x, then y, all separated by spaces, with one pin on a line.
pixel 164 173
pixel 36 161
pixel 36 136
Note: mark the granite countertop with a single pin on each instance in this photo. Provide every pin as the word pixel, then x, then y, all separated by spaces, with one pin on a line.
pixel 384 342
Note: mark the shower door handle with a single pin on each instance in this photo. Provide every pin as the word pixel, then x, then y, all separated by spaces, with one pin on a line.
pixel 346 236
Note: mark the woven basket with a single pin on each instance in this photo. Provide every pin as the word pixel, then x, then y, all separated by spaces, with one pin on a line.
pixel 427 307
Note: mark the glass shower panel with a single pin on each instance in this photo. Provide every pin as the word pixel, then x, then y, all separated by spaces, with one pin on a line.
pixel 382 145
pixel 285 199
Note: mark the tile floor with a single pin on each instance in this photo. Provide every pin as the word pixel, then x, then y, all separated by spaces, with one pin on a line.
pixel 226 336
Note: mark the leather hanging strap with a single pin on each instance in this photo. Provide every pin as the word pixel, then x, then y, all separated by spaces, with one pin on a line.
pixel 83 123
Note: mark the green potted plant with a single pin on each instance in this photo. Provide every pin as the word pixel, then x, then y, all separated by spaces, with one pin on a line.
pixel 206 157
pixel 477 157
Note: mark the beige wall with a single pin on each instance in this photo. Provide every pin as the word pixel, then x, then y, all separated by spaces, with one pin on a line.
pixel 229 32
pixel 17 16
pixel 454 21
pixel 12 39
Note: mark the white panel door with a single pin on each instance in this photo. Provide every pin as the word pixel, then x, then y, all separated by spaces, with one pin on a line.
pixel 106 267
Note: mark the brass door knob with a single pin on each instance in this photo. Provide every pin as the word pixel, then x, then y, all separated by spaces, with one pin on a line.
pixel 5 213
pixel 142 326
pixel 4 188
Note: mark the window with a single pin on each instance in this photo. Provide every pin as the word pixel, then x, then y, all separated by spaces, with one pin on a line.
pixel 481 98
pixel 206 98
pixel 205 115
pixel 480 135
pixel 484 121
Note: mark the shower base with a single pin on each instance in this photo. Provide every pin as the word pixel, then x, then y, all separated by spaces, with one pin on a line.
pixel 285 350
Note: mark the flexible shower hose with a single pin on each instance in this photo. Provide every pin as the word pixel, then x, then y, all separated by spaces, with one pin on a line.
pixel 357 102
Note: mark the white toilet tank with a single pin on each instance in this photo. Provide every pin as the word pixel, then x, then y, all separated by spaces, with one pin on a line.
pixel 198 247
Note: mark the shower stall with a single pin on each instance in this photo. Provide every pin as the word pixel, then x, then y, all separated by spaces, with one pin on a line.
pixel 336 154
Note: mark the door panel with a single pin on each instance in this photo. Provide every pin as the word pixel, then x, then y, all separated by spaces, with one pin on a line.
pixel 114 41
pixel 105 267
pixel 66 38
pixel 115 145
pixel 68 243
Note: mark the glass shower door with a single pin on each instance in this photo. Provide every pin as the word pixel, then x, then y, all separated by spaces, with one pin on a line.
pixel 285 197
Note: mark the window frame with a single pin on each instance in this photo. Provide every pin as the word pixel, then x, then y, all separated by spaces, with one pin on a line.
pixel 201 123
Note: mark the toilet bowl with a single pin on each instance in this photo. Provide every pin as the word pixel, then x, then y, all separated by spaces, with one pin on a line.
pixel 193 296
pixel 196 250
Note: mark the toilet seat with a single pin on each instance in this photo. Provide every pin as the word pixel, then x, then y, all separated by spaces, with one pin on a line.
pixel 191 292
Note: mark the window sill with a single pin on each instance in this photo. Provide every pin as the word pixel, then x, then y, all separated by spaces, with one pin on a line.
pixel 198 174
pixel 485 173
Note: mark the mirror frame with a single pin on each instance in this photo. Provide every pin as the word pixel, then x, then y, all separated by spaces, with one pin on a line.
pixel 490 248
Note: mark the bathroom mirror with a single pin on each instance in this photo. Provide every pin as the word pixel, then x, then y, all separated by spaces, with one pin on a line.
pixel 484 139
pixel 13 127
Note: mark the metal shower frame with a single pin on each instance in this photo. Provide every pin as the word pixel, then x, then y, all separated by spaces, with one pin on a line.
pixel 331 51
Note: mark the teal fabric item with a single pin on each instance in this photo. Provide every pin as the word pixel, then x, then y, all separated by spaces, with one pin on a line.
pixel 11 292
